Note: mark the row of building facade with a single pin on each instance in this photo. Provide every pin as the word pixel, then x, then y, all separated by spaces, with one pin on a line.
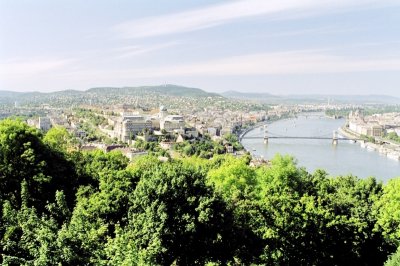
pixel 129 125
pixel 374 126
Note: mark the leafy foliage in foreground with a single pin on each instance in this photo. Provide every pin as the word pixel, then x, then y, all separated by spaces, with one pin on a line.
pixel 73 208
pixel 394 260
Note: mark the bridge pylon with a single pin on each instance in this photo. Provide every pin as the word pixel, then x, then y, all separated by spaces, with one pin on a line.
pixel 265 134
pixel 335 138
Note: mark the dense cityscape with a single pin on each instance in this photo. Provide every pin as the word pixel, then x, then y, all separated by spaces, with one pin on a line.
pixel 184 133
pixel 101 168
pixel 146 118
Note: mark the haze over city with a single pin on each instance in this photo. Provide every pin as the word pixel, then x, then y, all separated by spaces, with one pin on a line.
pixel 278 46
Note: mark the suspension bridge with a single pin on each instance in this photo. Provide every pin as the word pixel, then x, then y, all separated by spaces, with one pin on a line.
pixel 334 136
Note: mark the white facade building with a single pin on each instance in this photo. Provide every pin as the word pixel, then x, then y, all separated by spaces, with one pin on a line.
pixel 212 131
pixel 130 125
pixel 163 112
pixel 172 122
pixel 360 125
pixel 44 123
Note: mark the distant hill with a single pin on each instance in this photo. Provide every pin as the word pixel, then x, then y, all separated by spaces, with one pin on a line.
pixel 5 94
pixel 172 90
pixel 356 99
pixel 102 95
pixel 114 95
pixel 313 98
pixel 8 97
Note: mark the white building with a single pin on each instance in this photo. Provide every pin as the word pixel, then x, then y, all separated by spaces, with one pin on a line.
pixel 172 122
pixel 163 112
pixel 212 131
pixel 44 123
pixel 359 125
pixel 130 125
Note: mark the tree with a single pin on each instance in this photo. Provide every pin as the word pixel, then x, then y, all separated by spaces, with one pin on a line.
pixel 30 238
pixel 76 208
pixel 238 185
pixel 233 140
pixel 234 179
pixel 313 219
pixel 388 208
pixel 393 136
pixel 97 214
pixel 59 138
pixel 98 162
pixel 175 217
pixel 24 156
pixel 121 249
pixel 394 259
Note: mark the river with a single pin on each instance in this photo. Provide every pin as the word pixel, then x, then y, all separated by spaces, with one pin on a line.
pixel 342 159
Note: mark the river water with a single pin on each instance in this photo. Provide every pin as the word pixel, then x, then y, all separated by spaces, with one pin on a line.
pixel 342 159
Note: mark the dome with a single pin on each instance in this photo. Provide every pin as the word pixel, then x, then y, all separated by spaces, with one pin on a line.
pixel 163 108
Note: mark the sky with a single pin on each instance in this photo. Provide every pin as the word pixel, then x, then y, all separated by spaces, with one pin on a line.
pixel 274 46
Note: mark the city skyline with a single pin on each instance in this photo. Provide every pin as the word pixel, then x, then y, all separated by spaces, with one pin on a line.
pixel 278 47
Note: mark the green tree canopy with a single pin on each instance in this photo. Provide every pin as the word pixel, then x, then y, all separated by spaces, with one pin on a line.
pixel 388 208
pixel 59 138
pixel 23 156
pixel 175 217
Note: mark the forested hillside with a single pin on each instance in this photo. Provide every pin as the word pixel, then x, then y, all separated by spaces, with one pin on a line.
pixel 61 206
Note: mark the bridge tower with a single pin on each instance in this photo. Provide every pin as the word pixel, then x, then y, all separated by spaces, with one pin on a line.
pixel 265 134
pixel 335 138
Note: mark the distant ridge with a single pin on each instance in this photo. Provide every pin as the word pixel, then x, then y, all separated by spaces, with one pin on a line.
pixel 168 89
pixel 365 99
pixel 70 96
pixel 313 98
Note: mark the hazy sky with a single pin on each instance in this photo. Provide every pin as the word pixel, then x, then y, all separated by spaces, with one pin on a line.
pixel 275 46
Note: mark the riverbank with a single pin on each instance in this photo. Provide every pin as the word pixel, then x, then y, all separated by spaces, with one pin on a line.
pixel 247 130
pixel 334 116
pixel 272 119
pixel 345 158
pixel 390 150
